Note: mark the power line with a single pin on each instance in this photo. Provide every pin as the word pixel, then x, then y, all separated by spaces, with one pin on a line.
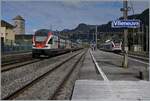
pixel 131 3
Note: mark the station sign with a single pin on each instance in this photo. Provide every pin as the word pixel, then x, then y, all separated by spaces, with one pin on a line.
pixel 135 23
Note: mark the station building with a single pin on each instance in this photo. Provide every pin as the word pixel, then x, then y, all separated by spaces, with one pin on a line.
pixel 20 37
pixel 13 37
pixel 23 39
pixel 7 33
pixel 19 24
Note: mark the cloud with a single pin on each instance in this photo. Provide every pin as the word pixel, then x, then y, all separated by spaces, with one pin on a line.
pixel 71 3
pixel 65 14
pixel 138 6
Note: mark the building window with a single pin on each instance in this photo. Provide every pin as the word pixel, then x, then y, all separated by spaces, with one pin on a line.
pixel 11 42
pixel 1 34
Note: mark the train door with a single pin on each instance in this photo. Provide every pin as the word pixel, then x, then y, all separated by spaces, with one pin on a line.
pixel 65 43
pixel 58 42
pixel 2 44
pixel 55 42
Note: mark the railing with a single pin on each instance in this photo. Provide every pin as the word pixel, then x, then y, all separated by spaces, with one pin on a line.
pixel 19 48
pixel 142 53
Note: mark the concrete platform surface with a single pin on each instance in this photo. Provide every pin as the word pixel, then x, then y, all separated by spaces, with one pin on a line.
pixel 111 65
pixel 88 70
pixel 96 90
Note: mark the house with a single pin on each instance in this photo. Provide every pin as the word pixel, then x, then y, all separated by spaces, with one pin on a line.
pixel 7 34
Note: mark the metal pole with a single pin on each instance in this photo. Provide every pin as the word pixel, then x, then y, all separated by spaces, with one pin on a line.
pixel 96 37
pixel 139 39
pixel 147 39
pixel 142 37
pixel 133 40
pixel 93 38
pixel 125 15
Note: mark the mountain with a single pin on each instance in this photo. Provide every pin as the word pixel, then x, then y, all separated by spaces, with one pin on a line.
pixel 84 28
pixel 85 32
pixel 143 17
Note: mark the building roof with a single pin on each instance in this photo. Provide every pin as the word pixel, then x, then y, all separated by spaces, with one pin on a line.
pixel 18 17
pixel 6 24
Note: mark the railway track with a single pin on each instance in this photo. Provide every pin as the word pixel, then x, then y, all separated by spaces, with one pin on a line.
pixel 15 87
pixel 9 54
pixel 58 94
pixel 13 65
pixel 15 58
pixel 13 61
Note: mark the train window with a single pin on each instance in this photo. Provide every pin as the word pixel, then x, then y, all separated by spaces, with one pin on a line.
pixel 116 41
pixel 40 38
pixel 112 45
pixel 42 32
pixel 50 41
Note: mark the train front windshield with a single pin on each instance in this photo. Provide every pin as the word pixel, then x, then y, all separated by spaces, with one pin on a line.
pixel 116 41
pixel 41 35
pixel 40 38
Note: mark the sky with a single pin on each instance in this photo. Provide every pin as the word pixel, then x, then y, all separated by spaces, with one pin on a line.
pixel 65 14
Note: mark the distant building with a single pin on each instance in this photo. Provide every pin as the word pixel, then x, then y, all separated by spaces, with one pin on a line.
pixel 23 39
pixel 7 33
pixel 19 24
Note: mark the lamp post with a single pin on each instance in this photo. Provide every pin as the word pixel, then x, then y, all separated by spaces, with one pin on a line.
pixel 125 15
pixel 96 37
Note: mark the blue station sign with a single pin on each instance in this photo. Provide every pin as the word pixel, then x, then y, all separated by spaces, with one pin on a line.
pixel 125 23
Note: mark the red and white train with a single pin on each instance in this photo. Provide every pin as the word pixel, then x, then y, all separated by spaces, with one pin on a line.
pixel 45 42
pixel 112 46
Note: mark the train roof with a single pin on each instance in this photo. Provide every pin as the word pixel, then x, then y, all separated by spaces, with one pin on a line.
pixel 42 32
pixel 46 31
pixel 112 41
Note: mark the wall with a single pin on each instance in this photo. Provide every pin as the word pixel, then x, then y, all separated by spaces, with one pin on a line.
pixel 19 27
pixel 8 35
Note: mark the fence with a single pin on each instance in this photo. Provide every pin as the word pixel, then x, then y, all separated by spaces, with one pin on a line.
pixel 16 48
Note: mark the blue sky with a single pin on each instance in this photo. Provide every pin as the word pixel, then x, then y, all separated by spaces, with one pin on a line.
pixel 65 14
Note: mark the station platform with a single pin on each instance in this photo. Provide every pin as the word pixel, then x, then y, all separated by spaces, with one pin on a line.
pixel 111 65
pixel 109 81
pixel 88 70
pixel 96 90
